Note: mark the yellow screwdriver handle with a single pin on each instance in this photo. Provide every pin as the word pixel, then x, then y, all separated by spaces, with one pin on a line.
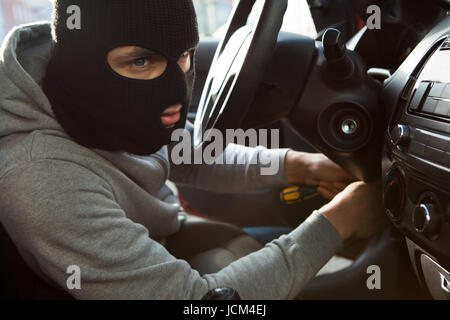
pixel 297 194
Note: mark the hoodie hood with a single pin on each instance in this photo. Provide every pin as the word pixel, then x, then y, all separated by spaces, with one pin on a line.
pixel 24 57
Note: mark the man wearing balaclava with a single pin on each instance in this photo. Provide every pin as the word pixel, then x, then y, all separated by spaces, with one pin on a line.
pixel 86 114
pixel 102 109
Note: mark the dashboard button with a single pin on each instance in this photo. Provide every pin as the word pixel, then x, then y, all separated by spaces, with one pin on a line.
pixel 426 219
pixel 429 105
pixel 442 108
pixel 446 93
pixel 436 89
pixel 400 135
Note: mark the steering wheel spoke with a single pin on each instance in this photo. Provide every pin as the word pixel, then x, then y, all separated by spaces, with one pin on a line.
pixel 237 67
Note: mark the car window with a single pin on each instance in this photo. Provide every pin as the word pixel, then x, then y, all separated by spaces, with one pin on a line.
pixel 212 15
pixel 17 12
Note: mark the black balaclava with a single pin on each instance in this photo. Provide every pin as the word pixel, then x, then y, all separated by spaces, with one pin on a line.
pixel 96 106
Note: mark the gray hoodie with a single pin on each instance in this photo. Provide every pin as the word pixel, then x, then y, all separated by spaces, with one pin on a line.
pixel 64 204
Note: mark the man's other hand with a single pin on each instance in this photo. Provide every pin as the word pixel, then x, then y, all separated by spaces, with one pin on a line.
pixel 357 211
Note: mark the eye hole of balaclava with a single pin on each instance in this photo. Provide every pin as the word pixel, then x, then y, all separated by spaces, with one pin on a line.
pixel 144 64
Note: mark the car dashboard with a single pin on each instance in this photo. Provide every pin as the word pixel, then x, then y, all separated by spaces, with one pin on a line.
pixel 416 157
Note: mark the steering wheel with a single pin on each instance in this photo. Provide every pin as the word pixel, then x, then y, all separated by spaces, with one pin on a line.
pixel 237 67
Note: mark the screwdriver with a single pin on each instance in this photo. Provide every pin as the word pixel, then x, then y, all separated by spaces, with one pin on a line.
pixel 298 194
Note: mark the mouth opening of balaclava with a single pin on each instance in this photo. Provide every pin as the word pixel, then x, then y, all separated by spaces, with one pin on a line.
pixel 96 106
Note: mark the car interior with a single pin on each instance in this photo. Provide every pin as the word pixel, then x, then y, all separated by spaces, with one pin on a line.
pixel 374 100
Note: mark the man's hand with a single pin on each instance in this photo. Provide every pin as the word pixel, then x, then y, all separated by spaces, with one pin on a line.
pixel 357 211
pixel 316 169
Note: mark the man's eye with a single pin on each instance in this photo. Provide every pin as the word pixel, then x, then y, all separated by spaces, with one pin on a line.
pixel 185 55
pixel 140 63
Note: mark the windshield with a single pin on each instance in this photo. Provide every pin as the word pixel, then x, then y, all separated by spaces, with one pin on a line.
pixel 212 15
